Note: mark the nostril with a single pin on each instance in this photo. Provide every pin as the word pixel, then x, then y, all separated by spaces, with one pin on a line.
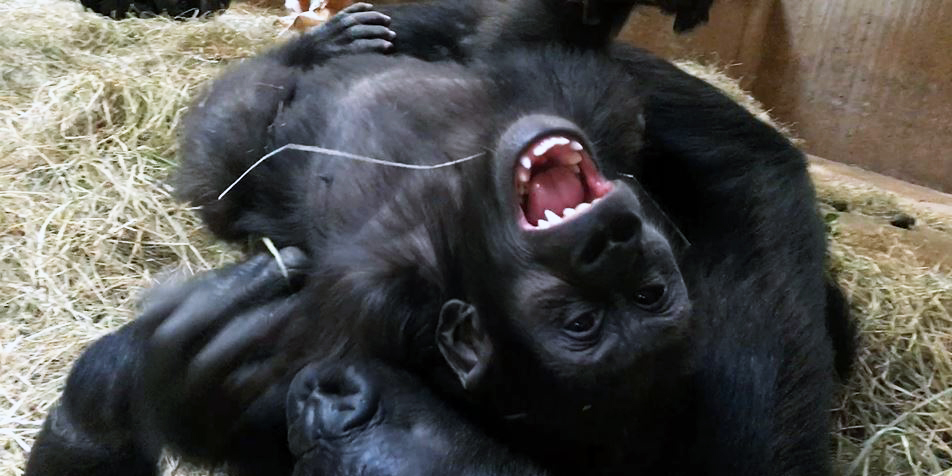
pixel 330 387
pixel 624 228
pixel 338 386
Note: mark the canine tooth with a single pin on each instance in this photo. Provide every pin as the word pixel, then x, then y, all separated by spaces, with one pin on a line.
pixel 525 162
pixel 553 217
pixel 575 168
pixel 523 175
pixel 560 141
pixel 576 146
pixel 543 225
pixel 582 207
pixel 596 201
pixel 568 212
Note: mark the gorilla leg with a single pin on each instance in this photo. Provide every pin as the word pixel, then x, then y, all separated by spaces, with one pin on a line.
pixel 91 430
pixel 373 420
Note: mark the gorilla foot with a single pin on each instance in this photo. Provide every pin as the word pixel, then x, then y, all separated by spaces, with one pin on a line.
pixel 367 420
pixel 325 403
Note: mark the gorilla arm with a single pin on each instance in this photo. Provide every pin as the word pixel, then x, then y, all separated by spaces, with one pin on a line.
pixel 741 194
pixel 458 29
pixel 230 126
pixel 131 392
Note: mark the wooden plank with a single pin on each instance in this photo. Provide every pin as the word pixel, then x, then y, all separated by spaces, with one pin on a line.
pixel 864 82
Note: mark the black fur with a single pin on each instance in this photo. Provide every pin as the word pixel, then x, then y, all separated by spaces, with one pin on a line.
pixel 179 9
pixel 742 387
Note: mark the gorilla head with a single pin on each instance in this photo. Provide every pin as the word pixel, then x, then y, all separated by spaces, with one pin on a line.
pixel 575 280
pixel 538 271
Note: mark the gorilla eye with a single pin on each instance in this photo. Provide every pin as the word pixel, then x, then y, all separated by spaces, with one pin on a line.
pixel 649 296
pixel 584 325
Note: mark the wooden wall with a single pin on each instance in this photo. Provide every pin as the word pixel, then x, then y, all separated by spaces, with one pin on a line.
pixel 865 82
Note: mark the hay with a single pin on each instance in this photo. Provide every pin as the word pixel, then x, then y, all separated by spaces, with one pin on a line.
pixel 88 109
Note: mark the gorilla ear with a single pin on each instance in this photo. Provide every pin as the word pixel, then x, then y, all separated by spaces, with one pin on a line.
pixel 464 343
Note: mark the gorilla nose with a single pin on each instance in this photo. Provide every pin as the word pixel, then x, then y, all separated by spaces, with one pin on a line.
pixel 615 239
pixel 612 245
pixel 615 245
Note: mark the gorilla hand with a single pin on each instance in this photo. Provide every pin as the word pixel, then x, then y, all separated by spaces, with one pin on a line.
pixel 209 346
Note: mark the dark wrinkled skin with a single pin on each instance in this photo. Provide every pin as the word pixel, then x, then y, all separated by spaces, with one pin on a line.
pixel 736 381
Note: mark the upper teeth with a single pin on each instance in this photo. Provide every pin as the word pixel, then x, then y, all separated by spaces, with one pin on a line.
pixel 523 174
pixel 570 158
pixel 548 144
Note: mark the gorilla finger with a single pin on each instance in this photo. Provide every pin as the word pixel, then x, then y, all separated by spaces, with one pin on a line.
pixel 275 278
pixel 357 7
pixel 370 31
pixel 207 302
pixel 365 18
pixel 371 46
pixel 258 280
pixel 251 380
pixel 219 358
pixel 160 302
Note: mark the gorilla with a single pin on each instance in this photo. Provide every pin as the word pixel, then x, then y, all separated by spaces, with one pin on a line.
pixel 179 9
pixel 530 310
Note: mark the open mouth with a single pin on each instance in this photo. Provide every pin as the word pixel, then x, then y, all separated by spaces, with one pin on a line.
pixel 556 180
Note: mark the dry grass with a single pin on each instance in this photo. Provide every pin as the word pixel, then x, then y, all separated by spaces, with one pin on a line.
pixel 88 109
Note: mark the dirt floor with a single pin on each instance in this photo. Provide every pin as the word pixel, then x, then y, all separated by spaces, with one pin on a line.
pixel 88 112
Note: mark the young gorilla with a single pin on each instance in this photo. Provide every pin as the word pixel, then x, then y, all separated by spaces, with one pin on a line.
pixel 591 310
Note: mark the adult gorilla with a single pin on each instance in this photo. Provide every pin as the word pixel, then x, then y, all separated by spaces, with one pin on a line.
pixel 180 9
pixel 566 334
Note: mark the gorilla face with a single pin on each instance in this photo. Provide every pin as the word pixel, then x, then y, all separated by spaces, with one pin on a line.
pixel 580 283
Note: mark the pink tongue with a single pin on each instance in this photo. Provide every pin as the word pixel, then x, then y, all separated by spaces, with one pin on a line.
pixel 554 189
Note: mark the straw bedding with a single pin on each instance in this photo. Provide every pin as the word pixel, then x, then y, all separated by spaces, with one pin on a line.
pixel 88 111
